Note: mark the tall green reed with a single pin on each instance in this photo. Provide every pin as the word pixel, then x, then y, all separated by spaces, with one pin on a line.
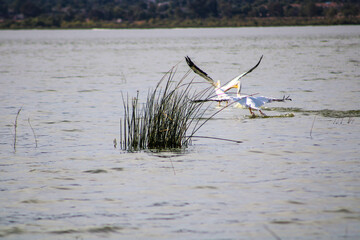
pixel 167 120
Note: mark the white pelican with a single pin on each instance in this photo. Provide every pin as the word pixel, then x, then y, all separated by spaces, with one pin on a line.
pixel 234 83
pixel 256 102
pixel 248 101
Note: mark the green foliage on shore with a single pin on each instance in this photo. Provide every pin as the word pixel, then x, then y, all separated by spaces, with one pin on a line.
pixel 18 14
pixel 39 23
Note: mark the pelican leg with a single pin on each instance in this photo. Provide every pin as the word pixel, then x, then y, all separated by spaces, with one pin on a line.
pixel 251 112
pixel 262 113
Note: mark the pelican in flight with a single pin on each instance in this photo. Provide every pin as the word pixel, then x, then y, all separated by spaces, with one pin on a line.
pixel 234 83
pixel 248 101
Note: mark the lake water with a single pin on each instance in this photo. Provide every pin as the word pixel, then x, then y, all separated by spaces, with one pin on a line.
pixel 291 178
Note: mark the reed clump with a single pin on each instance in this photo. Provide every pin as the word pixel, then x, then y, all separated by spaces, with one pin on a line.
pixel 167 120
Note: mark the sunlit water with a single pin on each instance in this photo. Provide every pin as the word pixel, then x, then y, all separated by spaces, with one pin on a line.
pixel 291 178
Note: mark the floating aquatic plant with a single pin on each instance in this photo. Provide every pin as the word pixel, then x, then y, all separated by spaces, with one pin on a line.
pixel 323 112
pixel 167 120
pixel 287 115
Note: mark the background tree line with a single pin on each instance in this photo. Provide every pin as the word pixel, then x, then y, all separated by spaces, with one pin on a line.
pixel 53 13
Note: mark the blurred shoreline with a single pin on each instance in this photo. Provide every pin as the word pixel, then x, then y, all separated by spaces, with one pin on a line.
pixel 40 23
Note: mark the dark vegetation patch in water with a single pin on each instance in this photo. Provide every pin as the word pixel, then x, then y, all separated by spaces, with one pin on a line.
pixel 96 171
pixel 274 116
pixel 281 222
pixel 324 112
pixel 102 229
pixel 341 210
pixel 32 201
pixel 10 231
pixel 118 169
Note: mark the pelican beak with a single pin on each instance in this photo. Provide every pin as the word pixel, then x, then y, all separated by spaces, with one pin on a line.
pixel 218 84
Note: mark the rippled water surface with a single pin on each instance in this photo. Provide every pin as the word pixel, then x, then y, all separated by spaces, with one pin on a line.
pixel 291 178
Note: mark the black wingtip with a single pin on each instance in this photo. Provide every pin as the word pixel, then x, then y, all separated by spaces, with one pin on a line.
pixel 195 68
pixel 192 65
pixel 287 98
pixel 188 61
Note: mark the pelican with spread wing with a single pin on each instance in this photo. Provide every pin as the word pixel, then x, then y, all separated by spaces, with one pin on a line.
pixel 234 83
pixel 248 101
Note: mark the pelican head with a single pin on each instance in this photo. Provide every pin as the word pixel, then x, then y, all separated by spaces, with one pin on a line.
pixel 238 86
pixel 218 84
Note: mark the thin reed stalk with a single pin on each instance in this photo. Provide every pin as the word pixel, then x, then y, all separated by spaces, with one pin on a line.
pixel 312 126
pixel 33 131
pixel 15 128
pixel 163 121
